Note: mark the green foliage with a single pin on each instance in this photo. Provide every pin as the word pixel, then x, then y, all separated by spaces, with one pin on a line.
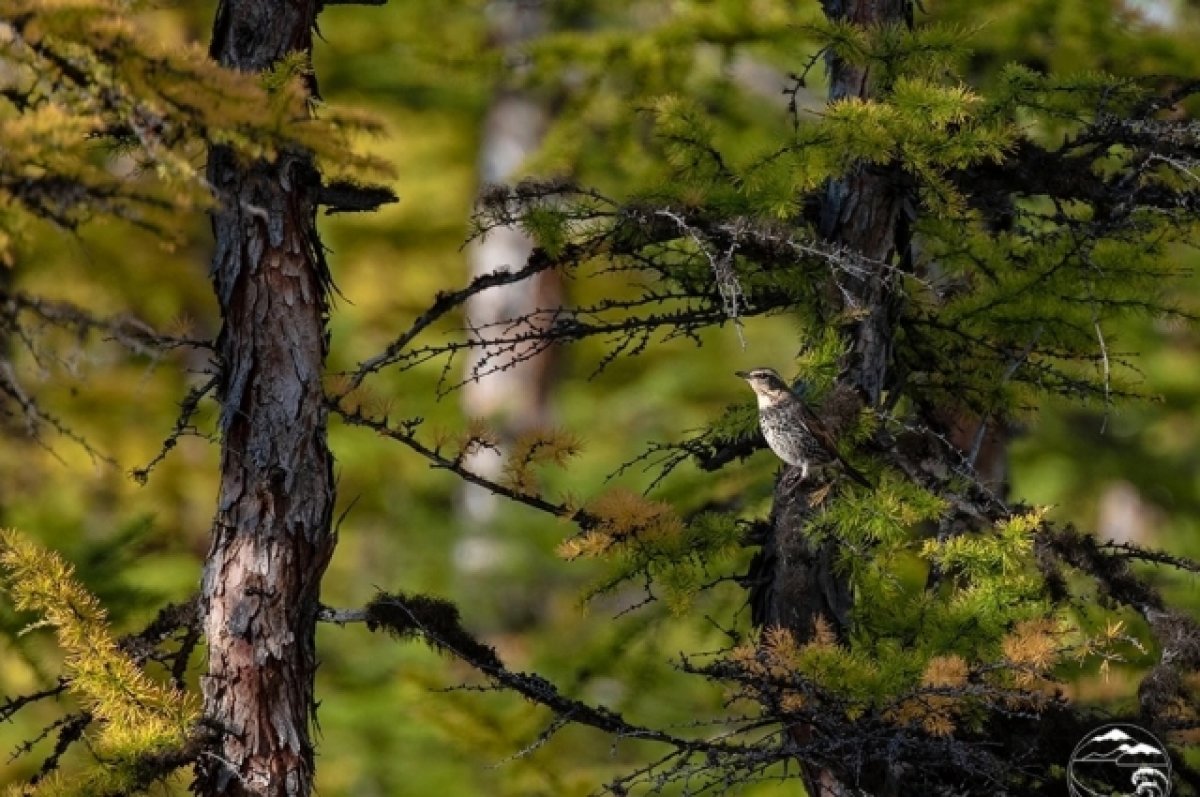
pixel 898 51
pixel 738 422
pixel 885 515
pixel 548 227
pixel 1006 552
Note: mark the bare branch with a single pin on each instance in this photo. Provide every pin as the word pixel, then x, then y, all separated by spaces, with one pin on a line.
pixel 405 432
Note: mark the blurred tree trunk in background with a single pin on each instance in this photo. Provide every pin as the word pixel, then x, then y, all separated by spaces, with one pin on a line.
pixel 1122 514
pixel 271 538
pixel 515 395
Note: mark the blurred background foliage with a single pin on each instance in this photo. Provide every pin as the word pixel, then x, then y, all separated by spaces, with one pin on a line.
pixel 430 70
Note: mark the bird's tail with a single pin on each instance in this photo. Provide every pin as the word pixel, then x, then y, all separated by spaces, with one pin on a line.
pixel 855 474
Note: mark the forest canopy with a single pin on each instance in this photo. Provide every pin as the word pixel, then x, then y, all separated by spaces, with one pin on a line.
pixel 371 380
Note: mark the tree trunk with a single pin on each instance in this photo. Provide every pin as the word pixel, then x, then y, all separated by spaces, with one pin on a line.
pixel 271 537
pixel 863 211
pixel 514 395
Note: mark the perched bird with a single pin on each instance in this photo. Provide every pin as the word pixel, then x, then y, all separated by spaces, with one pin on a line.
pixel 793 431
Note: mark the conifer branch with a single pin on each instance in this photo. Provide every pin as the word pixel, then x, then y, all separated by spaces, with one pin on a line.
pixel 1177 634
pixel 443 304
pixel 744 748
pixel 136 715
pixel 685 305
pixel 1128 550
pixel 437 623
pixel 347 196
pixel 142 647
pixel 36 417
pixel 104 78
pixel 70 729
pixel 404 432
pixel 183 426
pixel 130 333
pixel 31 321
pixel 11 705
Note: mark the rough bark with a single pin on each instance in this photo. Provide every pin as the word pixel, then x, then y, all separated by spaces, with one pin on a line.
pixel 863 211
pixel 271 537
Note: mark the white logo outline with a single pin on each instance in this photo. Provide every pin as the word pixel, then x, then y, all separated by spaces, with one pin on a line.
pixel 1107 752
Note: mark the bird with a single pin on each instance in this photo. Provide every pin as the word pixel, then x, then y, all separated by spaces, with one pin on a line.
pixel 792 430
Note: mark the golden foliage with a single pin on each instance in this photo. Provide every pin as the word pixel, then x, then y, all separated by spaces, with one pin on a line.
pixel 622 518
pixel 780 648
pixel 1032 648
pixel 533 449
pixel 774 657
pixel 778 658
pixel 476 437
pixel 359 398
pixel 931 707
pixel 136 716
pixel 82 71
pixel 823 633
pixel 949 670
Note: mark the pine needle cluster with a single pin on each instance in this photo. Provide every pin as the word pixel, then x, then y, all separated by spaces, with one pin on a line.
pixel 135 721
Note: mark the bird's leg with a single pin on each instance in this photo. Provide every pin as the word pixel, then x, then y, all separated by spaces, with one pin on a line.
pixel 792 478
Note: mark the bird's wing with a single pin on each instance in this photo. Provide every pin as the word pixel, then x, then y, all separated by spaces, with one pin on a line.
pixel 821 432
pixel 817 428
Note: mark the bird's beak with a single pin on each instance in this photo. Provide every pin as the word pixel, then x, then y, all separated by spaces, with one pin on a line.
pixel 742 374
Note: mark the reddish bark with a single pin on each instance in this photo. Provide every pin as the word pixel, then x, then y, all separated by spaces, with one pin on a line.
pixel 271 537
